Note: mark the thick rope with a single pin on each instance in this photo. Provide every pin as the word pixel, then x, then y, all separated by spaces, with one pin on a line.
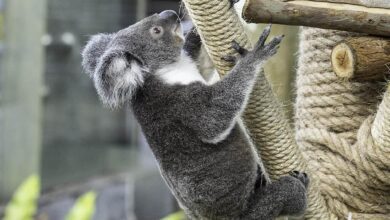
pixel 218 25
pixel 381 132
pixel 347 146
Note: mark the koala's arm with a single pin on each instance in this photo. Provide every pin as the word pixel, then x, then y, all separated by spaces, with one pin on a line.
pixel 192 44
pixel 215 108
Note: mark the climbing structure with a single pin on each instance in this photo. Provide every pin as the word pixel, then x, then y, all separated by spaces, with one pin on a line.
pixel 343 144
pixel 218 24
pixel 341 133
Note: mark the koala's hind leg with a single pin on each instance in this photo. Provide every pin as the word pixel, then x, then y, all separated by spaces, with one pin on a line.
pixel 286 196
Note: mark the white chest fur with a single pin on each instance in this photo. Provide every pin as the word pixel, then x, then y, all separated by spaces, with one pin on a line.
pixel 183 72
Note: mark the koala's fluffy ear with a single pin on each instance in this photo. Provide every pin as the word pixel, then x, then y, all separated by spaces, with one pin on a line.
pixel 92 52
pixel 117 76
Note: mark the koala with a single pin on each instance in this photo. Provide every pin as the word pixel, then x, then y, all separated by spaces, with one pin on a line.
pixel 193 126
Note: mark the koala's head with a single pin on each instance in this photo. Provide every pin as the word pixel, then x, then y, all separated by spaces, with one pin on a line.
pixel 119 62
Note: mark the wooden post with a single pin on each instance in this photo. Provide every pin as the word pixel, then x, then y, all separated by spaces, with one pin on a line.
pixel 21 73
pixel 362 58
pixel 328 14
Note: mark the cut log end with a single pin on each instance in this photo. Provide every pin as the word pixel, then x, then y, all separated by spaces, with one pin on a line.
pixel 343 60
pixel 361 58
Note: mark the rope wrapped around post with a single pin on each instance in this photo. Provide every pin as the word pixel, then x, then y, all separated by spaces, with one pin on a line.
pixel 218 25
pixel 346 142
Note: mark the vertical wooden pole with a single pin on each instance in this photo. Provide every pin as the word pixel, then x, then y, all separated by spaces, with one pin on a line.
pixel 21 76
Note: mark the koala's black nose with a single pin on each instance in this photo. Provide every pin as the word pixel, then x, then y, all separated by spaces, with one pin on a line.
pixel 169 15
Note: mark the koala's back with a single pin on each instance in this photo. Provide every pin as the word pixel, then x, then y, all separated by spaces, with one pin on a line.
pixel 202 176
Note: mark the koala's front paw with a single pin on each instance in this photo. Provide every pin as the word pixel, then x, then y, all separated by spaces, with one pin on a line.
pixel 302 177
pixel 261 51
pixel 193 34
pixel 264 51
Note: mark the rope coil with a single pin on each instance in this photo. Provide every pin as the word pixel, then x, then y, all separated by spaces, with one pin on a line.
pixel 338 132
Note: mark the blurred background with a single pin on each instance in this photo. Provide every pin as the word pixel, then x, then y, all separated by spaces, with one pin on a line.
pixel 52 123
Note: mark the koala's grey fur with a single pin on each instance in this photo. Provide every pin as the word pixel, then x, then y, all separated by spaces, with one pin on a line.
pixel 192 127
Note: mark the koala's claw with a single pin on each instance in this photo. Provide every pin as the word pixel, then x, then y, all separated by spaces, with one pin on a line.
pixel 240 50
pixel 294 173
pixel 264 35
pixel 229 59
pixel 270 49
pixel 232 2
pixel 301 176
pixel 276 41
pixel 193 31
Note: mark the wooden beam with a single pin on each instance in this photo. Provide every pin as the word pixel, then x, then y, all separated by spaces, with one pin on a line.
pixel 362 58
pixel 21 77
pixel 321 14
pixel 366 3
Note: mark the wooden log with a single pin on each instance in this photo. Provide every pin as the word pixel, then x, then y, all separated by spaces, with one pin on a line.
pixel 362 58
pixel 366 3
pixel 328 14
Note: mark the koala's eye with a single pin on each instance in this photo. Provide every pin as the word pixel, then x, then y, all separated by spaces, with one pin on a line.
pixel 156 31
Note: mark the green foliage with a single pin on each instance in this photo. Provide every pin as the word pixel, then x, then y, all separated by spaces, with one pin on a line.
pixel 176 216
pixel 23 204
pixel 84 208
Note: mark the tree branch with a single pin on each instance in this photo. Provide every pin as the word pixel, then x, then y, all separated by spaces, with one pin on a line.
pixel 326 14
